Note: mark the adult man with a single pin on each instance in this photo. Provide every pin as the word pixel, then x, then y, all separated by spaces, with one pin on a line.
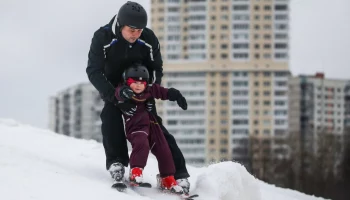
pixel 117 45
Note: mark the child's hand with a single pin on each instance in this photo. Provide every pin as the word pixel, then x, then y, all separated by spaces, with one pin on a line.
pixel 181 101
pixel 175 95
pixel 126 93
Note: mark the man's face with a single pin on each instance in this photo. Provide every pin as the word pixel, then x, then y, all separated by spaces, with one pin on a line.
pixel 131 34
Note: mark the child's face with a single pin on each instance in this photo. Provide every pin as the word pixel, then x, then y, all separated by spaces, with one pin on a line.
pixel 137 87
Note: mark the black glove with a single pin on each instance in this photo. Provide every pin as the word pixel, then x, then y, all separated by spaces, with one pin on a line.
pixel 127 107
pixel 175 95
pixel 151 105
pixel 126 93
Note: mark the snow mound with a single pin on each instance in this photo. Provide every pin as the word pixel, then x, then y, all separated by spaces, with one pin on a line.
pixel 38 164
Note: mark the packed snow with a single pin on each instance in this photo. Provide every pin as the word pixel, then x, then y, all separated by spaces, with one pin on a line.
pixel 37 164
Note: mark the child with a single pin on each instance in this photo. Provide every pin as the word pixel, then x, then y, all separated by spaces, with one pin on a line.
pixel 142 129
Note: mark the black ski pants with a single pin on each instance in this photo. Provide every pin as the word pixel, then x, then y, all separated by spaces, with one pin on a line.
pixel 115 145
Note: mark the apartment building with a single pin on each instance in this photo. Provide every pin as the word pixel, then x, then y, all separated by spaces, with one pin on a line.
pixel 318 105
pixel 230 59
pixel 75 112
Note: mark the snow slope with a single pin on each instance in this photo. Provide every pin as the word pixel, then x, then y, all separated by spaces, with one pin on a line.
pixel 37 164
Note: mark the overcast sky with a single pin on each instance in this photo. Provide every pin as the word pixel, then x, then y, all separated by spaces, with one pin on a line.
pixel 44 46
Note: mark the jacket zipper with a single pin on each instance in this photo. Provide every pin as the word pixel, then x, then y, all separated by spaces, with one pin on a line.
pixel 129 46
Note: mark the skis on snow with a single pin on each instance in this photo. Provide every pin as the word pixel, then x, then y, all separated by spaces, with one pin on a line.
pixel 121 187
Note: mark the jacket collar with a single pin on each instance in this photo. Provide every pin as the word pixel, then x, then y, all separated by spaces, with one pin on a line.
pixel 113 24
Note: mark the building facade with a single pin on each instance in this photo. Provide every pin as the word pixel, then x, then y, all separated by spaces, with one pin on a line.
pixel 318 105
pixel 233 57
pixel 76 112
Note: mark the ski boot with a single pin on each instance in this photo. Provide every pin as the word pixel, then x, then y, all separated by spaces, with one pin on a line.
pixel 169 184
pixel 117 172
pixel 180 182
pixel 183 182
pixel 136 178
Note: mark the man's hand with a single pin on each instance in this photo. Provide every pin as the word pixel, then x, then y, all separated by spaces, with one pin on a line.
pixel 126 93
pixel 128 107
pixel 175 95
pixel 151 105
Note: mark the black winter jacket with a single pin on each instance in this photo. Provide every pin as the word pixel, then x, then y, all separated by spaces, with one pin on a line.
pixel 110 54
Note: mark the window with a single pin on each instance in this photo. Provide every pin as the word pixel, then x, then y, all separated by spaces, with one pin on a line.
pixel 280 93
pixel 240 102
pixel 173 9
pixel 267 74
pixel 240 83
pixel 240 36
pixel 281 36
pixel 281 7
pixel 173 56
pixel 241 26
pixel 240 55
pixel 240 93
pixel 267 103
pixel 280 55
pixel 267 17
pixel 281 112
pixel 224 27
pixel 267 83
pixel 240 45
pixel 281 26
pixel 280 103
pixel 224 8
pixel 224 37
pixel 173 19
pixel 280 45
pixel 172 122
pixel 281 17
pixel 267 26
pixel 240 112
pixel 240 17
pixel 267 36
pixel 267 46
pixel 240 122
pixel 240 131
pixel 223 141
pixel 240 7
pixel 224 83
pixel 267 7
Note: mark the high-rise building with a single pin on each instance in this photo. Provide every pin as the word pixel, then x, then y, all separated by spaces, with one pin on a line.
pixel 318 105
pixel 319 122
pixel 230 59
pixel 75 112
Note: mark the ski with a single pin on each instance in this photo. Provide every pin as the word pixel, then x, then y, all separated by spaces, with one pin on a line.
pixel 191 197
pixel 121 187
pixel 182 196
pixel 143 185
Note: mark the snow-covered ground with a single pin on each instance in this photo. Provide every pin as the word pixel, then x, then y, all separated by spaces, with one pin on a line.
pixel 37 164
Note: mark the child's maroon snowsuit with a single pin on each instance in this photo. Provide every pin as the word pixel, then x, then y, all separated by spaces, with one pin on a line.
pixel 144 133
